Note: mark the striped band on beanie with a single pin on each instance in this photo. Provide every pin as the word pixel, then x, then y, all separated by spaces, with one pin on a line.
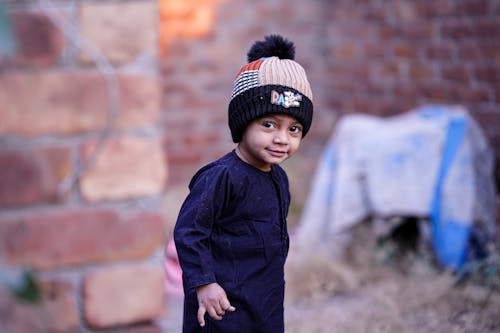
pixel 271 83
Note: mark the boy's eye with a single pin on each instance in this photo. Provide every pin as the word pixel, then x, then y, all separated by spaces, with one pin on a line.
pixel 295 129
pixel 268 124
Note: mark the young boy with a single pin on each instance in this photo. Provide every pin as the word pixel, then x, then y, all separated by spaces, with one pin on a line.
pixel 231 234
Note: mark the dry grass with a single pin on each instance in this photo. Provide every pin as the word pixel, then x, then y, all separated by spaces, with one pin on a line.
pixel 357 292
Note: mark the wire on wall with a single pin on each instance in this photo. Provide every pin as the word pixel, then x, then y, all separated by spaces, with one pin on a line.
pixel 105 68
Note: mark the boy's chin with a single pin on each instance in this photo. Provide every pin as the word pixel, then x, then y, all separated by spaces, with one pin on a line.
pixel 277 160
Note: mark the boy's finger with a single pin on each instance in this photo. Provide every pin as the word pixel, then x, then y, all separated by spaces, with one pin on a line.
pixel 213 313
pixel 201 315
pixel 218 309
pixel 226 306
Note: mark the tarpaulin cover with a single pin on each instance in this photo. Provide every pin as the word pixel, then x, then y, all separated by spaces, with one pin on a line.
pixel 433 162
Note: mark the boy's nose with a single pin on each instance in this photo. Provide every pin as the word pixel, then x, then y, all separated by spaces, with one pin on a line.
pixel 281 137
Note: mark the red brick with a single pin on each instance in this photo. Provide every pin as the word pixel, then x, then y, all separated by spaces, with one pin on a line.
pixel 397 105
pixel 494 140
pixel 456 29
pixel 200 102
pixel 440 51
pixel 38 41
pixel 176 49
pixel 435 92
pixel 123 295
pixel 56 312
pixel 175 9
pixel 487 73
pixel 489 120
pixel 125 167
pixel 202 139
pixel 364 105
pixel 486 28
pixel 374 50
pixel 359 71
pixel 473 7
pixel 455 72
pixel 59 103
pixel 59 238
pixel 456 93
pixel 182 172
pixel 187 155
pixel 436 8
pixel 421 71
pixel 471 94
pixel 378 107
pixel 121 38
pixel 345 11
pixel 343 85
pixel 372 87
pixel 405 50
pixel 190 20
pixel 32 176
pixel 140 99
pixel 479 50
pixel 177 125
pixel 73 102
pixel 389 70
pixel 374 13
pixel 481 29
pixel 405 91
pixel 417 29
pixel 405 96
pixel 346 51
pixel 350 30
pixel 173 89
pixel 388 33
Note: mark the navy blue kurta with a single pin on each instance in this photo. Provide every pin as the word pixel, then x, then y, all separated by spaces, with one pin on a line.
pixel 232 230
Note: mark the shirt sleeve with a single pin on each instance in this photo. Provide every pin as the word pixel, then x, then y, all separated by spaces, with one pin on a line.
pixel 203 205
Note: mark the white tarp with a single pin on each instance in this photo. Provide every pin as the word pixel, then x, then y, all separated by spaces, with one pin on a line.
pixel 433 162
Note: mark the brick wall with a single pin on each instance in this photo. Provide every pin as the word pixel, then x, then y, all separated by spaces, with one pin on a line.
pixel 82 167
pixel 389 56
pixel 199 64
pixel 83 170
pixel 375 57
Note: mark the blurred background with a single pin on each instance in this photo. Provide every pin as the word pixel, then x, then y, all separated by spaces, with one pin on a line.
pixel 108 107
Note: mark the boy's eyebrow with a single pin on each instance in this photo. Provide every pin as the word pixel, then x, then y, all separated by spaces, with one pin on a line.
pixel 275 117
pixel 270 116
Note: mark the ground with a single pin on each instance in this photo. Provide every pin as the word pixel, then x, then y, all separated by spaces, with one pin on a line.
pixel 394 302
pixel 391 303
pixel 385 286
pixel 362 292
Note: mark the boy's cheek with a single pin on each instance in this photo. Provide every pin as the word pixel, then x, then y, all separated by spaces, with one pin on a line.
pixel 294 150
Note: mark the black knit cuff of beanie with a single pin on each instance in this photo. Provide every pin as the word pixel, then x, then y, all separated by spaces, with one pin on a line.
pixel 255 103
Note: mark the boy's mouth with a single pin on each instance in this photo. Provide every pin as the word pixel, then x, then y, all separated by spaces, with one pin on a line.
pixel 277 153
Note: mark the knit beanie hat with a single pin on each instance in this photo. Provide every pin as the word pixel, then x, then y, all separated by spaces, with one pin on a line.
pixel 271 83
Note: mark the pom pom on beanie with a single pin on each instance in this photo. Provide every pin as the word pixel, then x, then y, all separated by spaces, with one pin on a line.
pixel 272 45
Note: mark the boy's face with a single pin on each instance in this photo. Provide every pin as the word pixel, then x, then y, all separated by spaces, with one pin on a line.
pixel 270 140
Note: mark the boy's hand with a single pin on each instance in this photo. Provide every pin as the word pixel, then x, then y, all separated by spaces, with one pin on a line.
pixel 212 299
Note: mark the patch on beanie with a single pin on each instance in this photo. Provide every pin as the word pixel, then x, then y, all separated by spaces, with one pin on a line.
pixel 286 99
pixel 247 78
